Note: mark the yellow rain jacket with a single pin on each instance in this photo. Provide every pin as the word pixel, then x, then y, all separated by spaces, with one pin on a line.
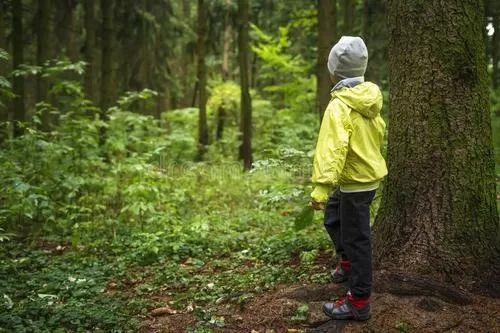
pixel 348 148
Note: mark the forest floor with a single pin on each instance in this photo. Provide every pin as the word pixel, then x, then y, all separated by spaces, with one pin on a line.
pixel 298 308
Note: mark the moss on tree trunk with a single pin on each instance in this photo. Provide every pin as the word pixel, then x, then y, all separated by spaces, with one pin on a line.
pixel 438 215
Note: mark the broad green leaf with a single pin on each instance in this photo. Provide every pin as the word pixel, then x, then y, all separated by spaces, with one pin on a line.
pixel 304 218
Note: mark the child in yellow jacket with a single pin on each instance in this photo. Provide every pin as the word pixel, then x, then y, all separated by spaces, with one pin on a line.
pixel 348 167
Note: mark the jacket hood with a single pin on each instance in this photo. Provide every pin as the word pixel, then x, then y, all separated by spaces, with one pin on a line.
pixel 365 98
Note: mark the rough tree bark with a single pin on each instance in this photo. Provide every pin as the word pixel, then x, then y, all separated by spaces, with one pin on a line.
pixel 90 45
pixel 42 55
pixel 246 103
pixel 202 80
pixel 17 59
pixel 438 215
pixel 107 73
pixel 327 31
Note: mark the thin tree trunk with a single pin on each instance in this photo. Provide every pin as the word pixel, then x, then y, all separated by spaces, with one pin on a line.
pixel 226 71
pixel 228 39
pixel 438 215
pixel 17 59
pixel 90 45
pixel 327 30
pixel 69 27
pixel 188 89
pixel 221 118
pixel 348 17
pixel 202 81
pixel 43 48
pixel 495 46
pixel 3 71
pixel 107 73
pixel 246 102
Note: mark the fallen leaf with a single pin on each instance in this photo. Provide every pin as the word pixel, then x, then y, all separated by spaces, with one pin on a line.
pixel 165 310
pixel 112 285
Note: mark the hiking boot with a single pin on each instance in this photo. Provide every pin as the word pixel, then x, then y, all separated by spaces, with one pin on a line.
pixel 341 273
pixel 348 307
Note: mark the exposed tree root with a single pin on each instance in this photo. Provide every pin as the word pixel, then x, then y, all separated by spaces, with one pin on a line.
pixel 331 326
pixel 414 285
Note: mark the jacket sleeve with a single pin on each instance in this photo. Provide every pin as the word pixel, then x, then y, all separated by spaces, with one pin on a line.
pixel 331 150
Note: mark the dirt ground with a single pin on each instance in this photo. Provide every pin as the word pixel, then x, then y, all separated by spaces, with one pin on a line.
pixel 277 311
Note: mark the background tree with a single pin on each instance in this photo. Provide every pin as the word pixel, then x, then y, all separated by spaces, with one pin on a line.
pixel 202 80
pixel 349 17
pixel 43 48
pixel 228 39
pixel 17 60
pixel 107 71
pixel 494 11
pixel 3 66
pixel 438 214
pixel 66 17
pixel 327 31
pixel 246 103
pixel 376 36
pixel 90 50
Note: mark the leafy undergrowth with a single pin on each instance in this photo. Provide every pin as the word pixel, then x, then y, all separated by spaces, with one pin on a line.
pixel 219 238
pixel 297 308
pixel 94 237
pixel 110 288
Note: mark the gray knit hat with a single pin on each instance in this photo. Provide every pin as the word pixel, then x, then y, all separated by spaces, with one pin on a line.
pixel 348 58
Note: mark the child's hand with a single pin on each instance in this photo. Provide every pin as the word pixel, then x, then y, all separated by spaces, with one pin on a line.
pixel 317 205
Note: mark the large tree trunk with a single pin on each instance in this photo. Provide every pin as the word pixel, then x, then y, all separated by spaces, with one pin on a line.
pixel 202 80
pixel 42 55
pixel 349 10
pixel 90 45
pixel 327 31
pixel 375 34
pixel 17 59
pixel 246 103
pixel 438 215
pixel 107 73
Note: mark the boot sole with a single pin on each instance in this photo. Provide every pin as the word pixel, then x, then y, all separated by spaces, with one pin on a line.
pixel 347 316
pixel 339 280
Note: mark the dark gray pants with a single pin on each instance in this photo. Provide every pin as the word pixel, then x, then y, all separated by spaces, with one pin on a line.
pixel 347 221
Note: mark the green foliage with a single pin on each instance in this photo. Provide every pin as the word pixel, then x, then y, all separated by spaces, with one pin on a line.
pixel 495 101
pixel 77 220
pixel 182 132
pixel 286 77
pixel 226 95
pixel 52 68
pixel 304 218
pixel 5 86
pixel 301 313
